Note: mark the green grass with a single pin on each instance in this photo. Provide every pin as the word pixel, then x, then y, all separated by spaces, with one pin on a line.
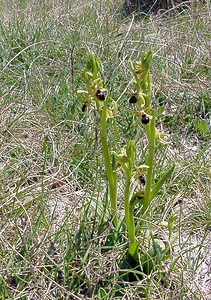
pixel 57 240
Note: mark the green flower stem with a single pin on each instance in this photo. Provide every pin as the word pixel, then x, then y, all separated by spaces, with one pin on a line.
pixel 148 91
pixel 129 219
pixel 150 161
pixel 111 175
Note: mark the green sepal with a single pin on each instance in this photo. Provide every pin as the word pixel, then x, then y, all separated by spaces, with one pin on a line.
pixel 88 77
pixel 122 160
pixel 136 198
pixel 132 66
pixel 160 183
pixel 82 92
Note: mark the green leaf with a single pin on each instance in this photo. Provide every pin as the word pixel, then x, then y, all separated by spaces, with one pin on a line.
pixel 86 255
pixel 153 257
pixel 147 263
pixel 158 247
pixel 171 221
pixel 103 295
pixel 201 127
pixel 160 183
pixel 133 249
pixel 23 208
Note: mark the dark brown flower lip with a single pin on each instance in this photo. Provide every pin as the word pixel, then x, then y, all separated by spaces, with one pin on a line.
pixel 84 108
pixel 100 95
pixel 144 119
pixel 133 99
pixel 142 180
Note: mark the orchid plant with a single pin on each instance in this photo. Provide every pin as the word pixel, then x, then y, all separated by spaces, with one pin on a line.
pixel 97 95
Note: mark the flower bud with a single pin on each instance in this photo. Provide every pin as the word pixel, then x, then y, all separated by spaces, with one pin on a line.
pixel 163 224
